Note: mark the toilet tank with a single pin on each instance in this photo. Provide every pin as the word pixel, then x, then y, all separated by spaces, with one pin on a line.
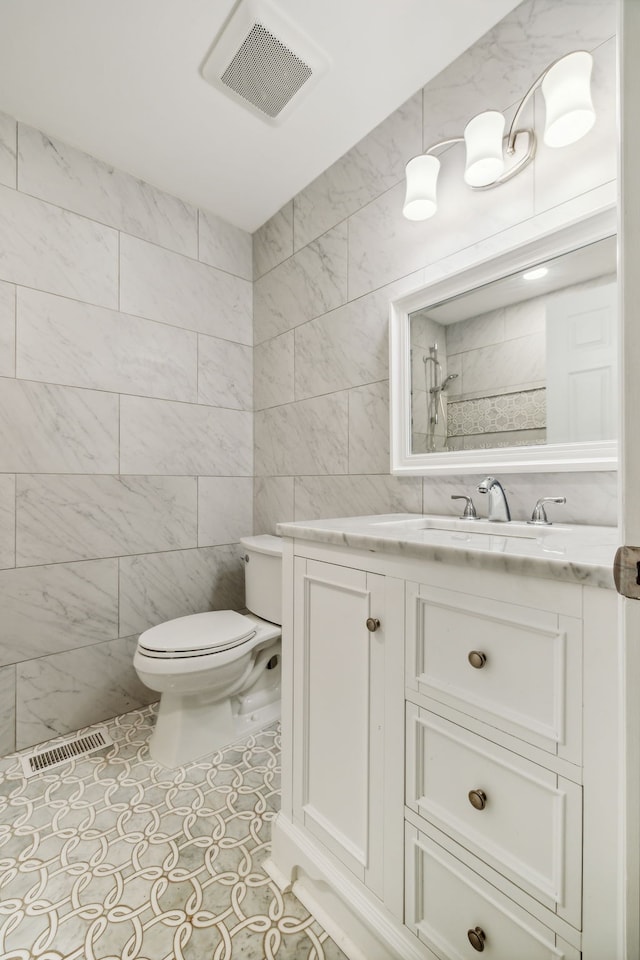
pixel 263 576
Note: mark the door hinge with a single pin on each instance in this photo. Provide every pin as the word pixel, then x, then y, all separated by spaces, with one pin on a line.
pixel 626 572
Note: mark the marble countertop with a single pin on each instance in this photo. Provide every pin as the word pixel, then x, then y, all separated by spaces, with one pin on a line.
pixel 579 554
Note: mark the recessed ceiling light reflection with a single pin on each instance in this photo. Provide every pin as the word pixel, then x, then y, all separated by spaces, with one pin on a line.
pixel 536 274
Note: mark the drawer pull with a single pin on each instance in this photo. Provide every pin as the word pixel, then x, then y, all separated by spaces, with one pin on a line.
pixel 477 659
pixel 477 938
pixel 372 624
pixel 478 799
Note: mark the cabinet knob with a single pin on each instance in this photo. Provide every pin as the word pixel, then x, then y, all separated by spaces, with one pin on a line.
pixel 476 938
pixel 372 624
pixel 477 659
pixel 478 799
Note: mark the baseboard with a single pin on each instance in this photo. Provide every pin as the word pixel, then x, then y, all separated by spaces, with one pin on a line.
pixel 352 916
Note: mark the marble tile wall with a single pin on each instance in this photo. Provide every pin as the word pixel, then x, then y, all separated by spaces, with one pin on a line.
pixel 329 261
pixel 126 435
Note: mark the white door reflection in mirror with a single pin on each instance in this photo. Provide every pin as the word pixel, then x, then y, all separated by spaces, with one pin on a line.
pixel 582 380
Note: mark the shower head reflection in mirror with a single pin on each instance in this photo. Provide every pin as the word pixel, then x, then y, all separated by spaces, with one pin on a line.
pixel 491 370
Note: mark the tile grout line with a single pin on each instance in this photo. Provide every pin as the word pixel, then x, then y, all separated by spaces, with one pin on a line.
pixel 126 313
pixel 17 143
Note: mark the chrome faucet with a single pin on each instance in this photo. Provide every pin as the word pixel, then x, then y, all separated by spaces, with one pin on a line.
pixel 498 506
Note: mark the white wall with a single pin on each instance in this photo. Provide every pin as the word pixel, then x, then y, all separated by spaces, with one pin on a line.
pixel 330 260
pixel 126 442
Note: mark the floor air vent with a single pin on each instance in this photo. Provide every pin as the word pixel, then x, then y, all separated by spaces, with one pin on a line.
pixel 66 750
pixel 263 61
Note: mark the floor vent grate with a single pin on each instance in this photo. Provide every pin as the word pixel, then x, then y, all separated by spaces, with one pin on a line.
pixel 67 750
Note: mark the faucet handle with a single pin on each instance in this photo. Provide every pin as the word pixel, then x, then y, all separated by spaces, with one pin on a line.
pixel 539 515
pixel 469 512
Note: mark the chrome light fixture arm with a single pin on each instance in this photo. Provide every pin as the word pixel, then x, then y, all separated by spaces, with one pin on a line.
pixel 520 165
pixel 443 143
pixel 509 149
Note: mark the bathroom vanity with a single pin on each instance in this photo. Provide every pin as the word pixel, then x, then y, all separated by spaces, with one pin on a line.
pixel 450 737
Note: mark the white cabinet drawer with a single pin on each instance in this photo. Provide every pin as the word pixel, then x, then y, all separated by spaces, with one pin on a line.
pixel 521 819
pixel 528 674
pixel 446 901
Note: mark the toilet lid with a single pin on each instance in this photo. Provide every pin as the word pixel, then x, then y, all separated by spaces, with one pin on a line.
pixel 197 635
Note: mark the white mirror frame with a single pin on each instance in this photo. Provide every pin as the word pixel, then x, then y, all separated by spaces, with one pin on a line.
pixel 522 246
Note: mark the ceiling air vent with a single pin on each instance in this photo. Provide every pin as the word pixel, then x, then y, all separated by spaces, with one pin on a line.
pixel 263 61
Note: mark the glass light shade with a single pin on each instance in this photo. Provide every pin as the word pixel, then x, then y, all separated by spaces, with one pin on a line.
pixel 420 199
pixel 567 96
pixel 483 139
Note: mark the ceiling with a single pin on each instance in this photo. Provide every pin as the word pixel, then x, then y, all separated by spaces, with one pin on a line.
pixel 121 80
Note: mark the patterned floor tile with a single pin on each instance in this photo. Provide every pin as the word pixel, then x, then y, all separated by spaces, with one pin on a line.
pixel 113 857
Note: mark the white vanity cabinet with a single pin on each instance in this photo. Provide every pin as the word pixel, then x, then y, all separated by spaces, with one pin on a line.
pixel 450 757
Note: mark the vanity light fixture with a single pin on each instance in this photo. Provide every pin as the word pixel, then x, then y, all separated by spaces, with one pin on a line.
pixel 566 88
pixel 536 274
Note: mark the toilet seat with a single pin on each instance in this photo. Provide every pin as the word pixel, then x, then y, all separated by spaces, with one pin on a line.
pixel 197 635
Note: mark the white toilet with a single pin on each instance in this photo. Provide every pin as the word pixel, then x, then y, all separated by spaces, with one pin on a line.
pixel 218 673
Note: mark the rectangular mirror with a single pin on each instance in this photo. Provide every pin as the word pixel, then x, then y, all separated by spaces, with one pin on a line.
pixel 519 372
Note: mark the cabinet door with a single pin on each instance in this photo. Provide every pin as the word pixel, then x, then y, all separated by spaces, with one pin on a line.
pixel 339 700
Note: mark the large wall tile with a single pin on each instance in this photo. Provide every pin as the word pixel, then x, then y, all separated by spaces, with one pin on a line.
pixel 273 503
pixel 224 246
pixel 7 520
pixel 498 70
pixel 295 439
pixel 578 168
pixel 160 437
pixel 45 247
pixel 383 245
pixel 321 497
pixel 225 509
pixel 56 172
pixel 371 167
pixel 306 285
pixel 63 341
pixel 273 242
pixel 161 586
pixel 476 332
pixel 7 150
pixel 66 691
pixel 274 371
pixel 62 518
pixel 161 285
pixel 7 710
pixel 7 330
pixel 48 429
pixel 225 373
pixel 345 348
pixel 59 607
pixel 512 363
pixel 369 429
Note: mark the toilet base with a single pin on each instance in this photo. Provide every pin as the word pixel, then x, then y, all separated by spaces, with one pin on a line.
pixel 185 732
